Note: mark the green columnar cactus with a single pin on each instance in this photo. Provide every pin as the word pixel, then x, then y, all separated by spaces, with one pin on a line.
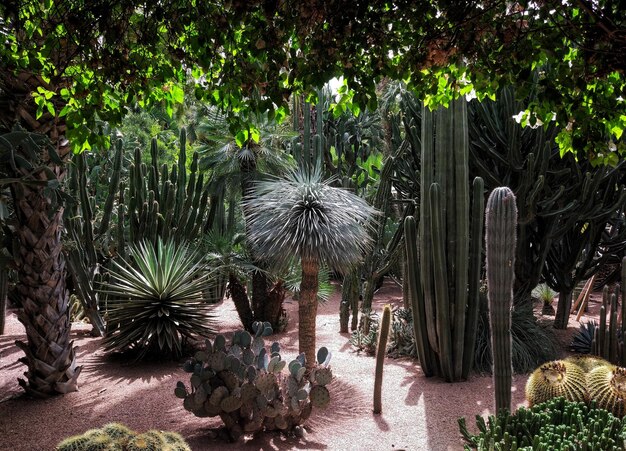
pixel 445 298
pixel 166 203
pixel 500 237
pixel 83 234
pixel 381 351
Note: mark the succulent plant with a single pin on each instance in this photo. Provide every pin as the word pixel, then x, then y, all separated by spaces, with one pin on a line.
pixel 554 379
pixel 557 424
pixel 587 362
pixel 117 437
pixel 607 387
pixel 246 386
pixel 582 340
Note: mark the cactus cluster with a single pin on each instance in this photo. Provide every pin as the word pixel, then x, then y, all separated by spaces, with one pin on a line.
pixel 245 385
pixel 444 276
pixel 580 378
pixel 557 424
pixel 116 436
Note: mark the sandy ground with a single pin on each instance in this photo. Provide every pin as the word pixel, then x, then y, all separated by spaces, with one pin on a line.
pixel 418 413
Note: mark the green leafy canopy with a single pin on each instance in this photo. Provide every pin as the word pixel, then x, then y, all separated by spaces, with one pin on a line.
pixel 88 59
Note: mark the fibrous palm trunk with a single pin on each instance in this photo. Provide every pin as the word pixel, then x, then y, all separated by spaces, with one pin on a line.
pixel 307 309
pixel 39 261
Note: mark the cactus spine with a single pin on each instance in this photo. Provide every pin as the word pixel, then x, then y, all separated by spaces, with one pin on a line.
pixel 444 277
pixel 381 350
pixel 500 240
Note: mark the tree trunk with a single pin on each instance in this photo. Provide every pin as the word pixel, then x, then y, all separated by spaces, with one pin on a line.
pixel 41 286
pixel 274 305
pixel 349 298
pixel 307 310
pixel 240 299
pixel 3 297
pixel 562 311
pixel 260 286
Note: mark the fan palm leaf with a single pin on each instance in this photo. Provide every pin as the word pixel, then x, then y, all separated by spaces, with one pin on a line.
pixel 157 301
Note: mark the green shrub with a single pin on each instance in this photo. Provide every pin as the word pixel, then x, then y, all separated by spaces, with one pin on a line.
pixel 553 425
pixel 156 302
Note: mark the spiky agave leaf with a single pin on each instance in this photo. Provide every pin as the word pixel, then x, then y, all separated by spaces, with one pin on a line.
pixel 158 300
pixel 305 217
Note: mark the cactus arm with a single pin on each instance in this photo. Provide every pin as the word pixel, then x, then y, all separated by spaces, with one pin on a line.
pixel 500 224
pixel 416 298
pixel 381 350
pixel 425 233
pixel 440 275
pixel 113 187
pixel 461 216
pixel 475 258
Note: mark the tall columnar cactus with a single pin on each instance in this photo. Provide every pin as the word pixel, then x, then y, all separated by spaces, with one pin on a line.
pixel 166 202
pixel 444 276
pixel 500 241
pixel 381 350
pixel 84 234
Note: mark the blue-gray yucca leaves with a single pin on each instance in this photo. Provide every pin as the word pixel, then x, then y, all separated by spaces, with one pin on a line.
pixel 303 216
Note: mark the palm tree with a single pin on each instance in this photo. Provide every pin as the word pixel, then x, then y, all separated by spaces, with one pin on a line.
pixel 235 163
pixel 39 261
pixel 304 217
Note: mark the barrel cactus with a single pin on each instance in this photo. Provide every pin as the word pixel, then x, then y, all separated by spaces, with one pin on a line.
pixel 587 362
pixel 607 387
pixel 554 379
pixel 246 386
pixel 116 436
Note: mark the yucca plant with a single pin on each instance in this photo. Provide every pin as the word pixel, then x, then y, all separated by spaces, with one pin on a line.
pixel 157 300
pixel 546 295
pixel 303 216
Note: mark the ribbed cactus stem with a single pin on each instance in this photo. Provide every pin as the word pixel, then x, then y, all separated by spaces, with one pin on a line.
pixel 3 295
pixel 416 297
pixel 381 351
pixel 500 240
pixel 475 266
pixel 113 187
pixel 440 273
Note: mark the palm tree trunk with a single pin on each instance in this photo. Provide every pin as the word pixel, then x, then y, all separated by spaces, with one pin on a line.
pixel 40 264
pixel 307 309
pixel 37 251
pixel 240 299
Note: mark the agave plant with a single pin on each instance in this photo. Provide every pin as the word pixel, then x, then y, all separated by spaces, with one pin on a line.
pixel 157 301
pixel 304 217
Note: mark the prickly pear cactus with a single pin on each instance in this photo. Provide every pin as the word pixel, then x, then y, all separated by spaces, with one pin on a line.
pixel 554 379
pixel 246 386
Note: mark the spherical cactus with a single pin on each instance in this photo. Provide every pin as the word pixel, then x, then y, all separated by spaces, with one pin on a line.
pixel 557 378
pixel 175 441
pixel 147 441
pixel 587 362
pixel 607 387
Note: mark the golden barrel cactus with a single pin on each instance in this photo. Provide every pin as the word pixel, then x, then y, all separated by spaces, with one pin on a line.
pixel 607 387
pixel 556 378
